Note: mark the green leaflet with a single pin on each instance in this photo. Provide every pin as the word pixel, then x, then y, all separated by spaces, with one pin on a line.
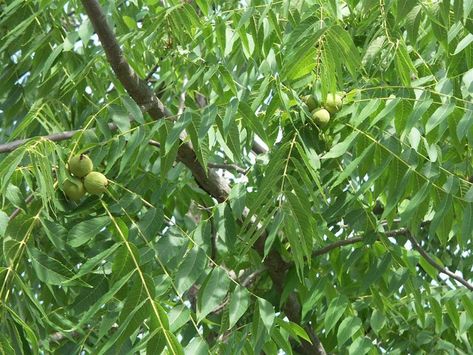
pixel 335 311
pixel 190 269
pixel 82 232
pixel 239 302
pixel 212 292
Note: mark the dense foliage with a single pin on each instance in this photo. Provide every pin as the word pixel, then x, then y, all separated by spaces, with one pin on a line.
pixel 232 223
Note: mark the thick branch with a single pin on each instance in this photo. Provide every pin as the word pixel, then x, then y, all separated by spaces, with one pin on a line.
pixel 277 268
pixel 135 86
pixel 144 96
pixel 209 181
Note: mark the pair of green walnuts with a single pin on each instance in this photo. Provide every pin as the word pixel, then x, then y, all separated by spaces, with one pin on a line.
pixel 321 115
pixel 84 179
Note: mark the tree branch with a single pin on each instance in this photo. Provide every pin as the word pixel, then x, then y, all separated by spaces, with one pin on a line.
pixel 151 72
pixel 227 167
pixel 144 96
pixel 337 244
pixel 258 148
pixel 415 244
pixel 277 268
pixel 357 239
pixel 55 137
pixel 17 211
pixel 182 103
pixel 437 266
pixel 134 85
pixel 349 241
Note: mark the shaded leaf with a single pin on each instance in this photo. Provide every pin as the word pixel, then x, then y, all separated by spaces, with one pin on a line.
pixel 239 302
pixel 212 292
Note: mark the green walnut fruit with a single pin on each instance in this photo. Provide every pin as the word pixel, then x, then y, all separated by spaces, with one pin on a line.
pixel 95 183
pixel 321 117
pixel 333 103
pixel 80 165
pixel 74 189
pixel 310 101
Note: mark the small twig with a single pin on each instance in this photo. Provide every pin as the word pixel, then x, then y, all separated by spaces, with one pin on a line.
pixel 192 296
pixel 204 208
pixel 245 283
pixel 251 278
pixel 258 148
pixel 182 103
pixel 337 244
pixel 201 100
pixel 154 143
pixel 437 266
pixel 357 239
pixel 56 137
pixel 213 242
pixel 17 211
pixel 58 336
pixel 227 167
pixel 221 306
pixel 151 72
pixel 60 136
